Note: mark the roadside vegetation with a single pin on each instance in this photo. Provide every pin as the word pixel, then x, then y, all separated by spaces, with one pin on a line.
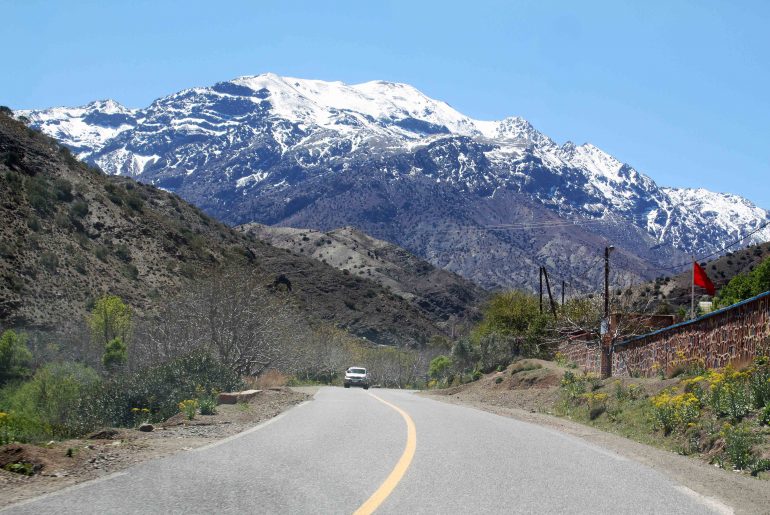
pixel 722 415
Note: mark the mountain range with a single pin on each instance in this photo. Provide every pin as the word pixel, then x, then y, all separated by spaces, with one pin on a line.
pixel 490 200
pixel 70 234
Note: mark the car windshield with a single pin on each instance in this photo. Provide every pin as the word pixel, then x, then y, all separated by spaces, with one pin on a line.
pixel 357 371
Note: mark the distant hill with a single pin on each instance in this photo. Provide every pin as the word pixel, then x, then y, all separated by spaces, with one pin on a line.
pixel 69 233
pixel 444 294
pixel 674 290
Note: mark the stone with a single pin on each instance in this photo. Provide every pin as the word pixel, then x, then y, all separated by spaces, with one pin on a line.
pixel 146 428
pixel 236 397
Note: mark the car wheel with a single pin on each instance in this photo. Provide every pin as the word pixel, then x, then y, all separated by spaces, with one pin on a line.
pixel 366 387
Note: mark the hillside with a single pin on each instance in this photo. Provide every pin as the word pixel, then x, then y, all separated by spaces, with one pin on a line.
pixel 674 290
pixel 439 292
pixel 70 233
pixel 489 200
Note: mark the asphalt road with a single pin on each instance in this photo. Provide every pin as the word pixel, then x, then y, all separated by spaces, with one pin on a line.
pixel 347 447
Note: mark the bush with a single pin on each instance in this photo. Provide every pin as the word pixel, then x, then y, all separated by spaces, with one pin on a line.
pixel 62 189
pixel 189 407
pixel 54 403
pixel 208 406
pixel 439 367
pixel 115 354
pixel 15 357
pixel 79 209
pixel 49 261
pixel 739 441
pixel 573 386
pixel 674 411
pixel 728 393
pixel 759 382
pixel 160 388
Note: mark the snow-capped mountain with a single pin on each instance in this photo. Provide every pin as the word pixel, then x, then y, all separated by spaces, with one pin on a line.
pixel 488 199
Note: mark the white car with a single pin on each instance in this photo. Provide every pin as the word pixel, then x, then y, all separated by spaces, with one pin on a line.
pixel 356 376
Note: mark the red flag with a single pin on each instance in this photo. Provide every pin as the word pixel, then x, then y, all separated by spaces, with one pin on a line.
pixel 699 278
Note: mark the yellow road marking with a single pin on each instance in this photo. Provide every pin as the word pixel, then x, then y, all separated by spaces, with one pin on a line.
pixel 399 470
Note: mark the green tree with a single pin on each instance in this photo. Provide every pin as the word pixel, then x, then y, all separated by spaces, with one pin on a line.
pixel 439 367
pixel 745 286
pixel 15 357
pixel 110 323
pixel 760 278
pixel 115 354
pixel 515 316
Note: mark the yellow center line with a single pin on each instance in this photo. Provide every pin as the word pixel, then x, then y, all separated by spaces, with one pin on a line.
pixel 385 489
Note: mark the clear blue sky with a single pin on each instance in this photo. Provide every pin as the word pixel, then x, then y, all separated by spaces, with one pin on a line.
pixel 678 89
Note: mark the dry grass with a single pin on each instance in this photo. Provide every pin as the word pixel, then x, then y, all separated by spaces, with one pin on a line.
pixel 269 379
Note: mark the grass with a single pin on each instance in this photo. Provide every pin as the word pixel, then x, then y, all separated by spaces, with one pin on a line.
pixel 709 415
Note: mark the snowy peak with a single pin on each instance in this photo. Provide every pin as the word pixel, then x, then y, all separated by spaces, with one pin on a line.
pixel 515 129
pixel 86 128
pixel 318 102
pixel 237 141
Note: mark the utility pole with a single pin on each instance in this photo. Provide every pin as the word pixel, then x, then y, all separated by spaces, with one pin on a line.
pixel 550 297
pixel 541 290
pixel 563 288
pixel 606 358
pixel 607 251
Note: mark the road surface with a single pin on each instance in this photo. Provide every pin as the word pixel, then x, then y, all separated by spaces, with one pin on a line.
pixel 351 450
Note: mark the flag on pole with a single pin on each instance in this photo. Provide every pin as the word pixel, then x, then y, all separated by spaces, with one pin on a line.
pixel 699 278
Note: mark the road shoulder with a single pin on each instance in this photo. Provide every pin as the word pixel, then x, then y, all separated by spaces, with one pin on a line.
pixel 73 462
pixel 741 493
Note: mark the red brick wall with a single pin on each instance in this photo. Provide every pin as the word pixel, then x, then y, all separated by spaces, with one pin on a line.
pixel 585 354
pixel 732 335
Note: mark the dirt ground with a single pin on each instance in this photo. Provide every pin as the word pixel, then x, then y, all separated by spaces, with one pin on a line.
pixel 530 397
pixel 62 464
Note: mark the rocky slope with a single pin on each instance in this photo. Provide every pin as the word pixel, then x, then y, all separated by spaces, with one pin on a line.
pixel 444 294
pixel 70 233
pixel 490 200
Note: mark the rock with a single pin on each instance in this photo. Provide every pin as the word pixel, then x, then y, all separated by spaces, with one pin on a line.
pixel 235 397
pixel 104 434
pixel 146 428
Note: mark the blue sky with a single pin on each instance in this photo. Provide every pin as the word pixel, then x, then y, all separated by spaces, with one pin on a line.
pixel 678 89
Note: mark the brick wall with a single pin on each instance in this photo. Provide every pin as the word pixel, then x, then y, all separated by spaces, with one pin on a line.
pixel 585 353
pixel 731 335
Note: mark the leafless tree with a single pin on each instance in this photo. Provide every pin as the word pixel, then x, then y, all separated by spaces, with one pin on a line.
pixel 235 316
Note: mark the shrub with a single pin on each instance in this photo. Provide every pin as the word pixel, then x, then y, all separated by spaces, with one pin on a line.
pixel 62 189
pixel 739 441
pixel 573 386
pixel 102 252
pixel 597 404
pixel 15 357
pixel 208 406
pixel 115 354
pixel 763 417
pixel 671 411
pixel 759 382
pixel 728 393
pixel 439 367
pixel 524 366
pixel 189 407
pixel 55 402
pixel 123 253
pixel 78 209
pixel 49 261
pixel 160 388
